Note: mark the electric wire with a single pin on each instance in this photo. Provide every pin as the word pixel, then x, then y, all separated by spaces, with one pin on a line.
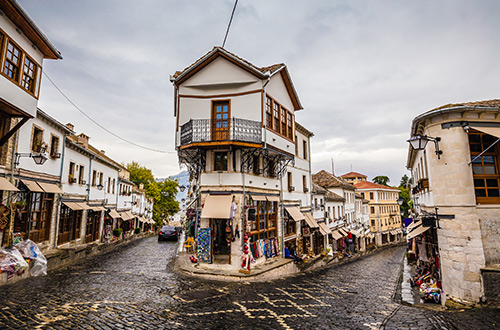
pixel 104 128
pixel 229 25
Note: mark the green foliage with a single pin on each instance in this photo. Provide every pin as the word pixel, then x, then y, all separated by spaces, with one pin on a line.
pixel 381 179
pixel 163 193
pixel 137 230
pixel 404 193
pixel 117 232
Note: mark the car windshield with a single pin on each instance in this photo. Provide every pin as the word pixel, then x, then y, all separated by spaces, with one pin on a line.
pixel 167 228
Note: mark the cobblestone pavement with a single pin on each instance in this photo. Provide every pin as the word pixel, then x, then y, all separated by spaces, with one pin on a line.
pixel 134 288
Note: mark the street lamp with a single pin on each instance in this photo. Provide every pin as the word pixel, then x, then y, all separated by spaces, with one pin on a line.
pixel 182 188
pixel 39 159
pixel 419 142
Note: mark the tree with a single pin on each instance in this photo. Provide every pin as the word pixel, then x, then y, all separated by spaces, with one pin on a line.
pixel 404 193
pixel 163 193
pixel 381 179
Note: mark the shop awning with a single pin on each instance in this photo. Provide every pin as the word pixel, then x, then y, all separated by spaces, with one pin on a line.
pixel 494 131
pixel 273 198
pixel 217 206
pixel 417 231
pixel 50 188
pixel 323 228
pixel 310 220
pixel 125 215
pixel 6 185
pixel 97 208
pixel 114 214
pixel 32 185
pixel 342 231
pixel 130 215
pixel 358 233
pixel 414 224
pixel 74 206
pixel 259 198
pixel 336 235
pixel 295 213
pixel 84 206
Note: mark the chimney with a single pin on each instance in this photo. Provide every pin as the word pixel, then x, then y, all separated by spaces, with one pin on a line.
pixel 83 140
pixel 70 126
pixel 103 152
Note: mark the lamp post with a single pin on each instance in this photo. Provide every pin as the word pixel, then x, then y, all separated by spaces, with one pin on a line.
pixel 419 142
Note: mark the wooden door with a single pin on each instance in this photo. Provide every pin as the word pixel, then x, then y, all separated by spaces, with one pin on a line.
pixel 220 121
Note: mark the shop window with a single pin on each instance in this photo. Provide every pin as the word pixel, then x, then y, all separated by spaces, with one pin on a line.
pixel 54 146
pixel 265 224
pixel 485 167
pixel 290 226
pixel 37 139
pixel 220 161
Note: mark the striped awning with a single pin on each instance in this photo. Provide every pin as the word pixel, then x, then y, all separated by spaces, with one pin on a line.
pixel 336 235
pixel 323 228
pixel 311 222
pixel 6 185
pixel 114 214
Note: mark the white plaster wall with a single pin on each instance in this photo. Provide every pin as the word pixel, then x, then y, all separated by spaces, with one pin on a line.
pixel 124 201
pixel 10 91
pixel 101 195
pixel 79 159
pixel 277 90
pixel 277 141
pixel 234 179
pixel 51 166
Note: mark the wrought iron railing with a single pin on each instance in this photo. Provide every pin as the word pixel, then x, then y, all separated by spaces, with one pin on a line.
pixel 203 130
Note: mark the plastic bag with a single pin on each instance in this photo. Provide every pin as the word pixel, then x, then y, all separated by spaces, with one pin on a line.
pixel 12 262
pixel 30 250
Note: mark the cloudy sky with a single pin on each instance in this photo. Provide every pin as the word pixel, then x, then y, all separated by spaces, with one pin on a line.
pixel 362 69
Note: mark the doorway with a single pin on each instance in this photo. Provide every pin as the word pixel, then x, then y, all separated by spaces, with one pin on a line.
pixel 221 240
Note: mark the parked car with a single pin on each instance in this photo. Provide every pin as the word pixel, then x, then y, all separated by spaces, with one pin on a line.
pixel 168 233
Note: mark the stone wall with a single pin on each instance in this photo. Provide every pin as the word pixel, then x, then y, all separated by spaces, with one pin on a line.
pixel 462 256
pixel 489 221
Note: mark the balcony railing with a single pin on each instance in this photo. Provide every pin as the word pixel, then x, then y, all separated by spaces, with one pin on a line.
pixel 204 130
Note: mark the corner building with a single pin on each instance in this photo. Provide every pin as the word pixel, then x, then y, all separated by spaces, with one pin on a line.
pixel 236 133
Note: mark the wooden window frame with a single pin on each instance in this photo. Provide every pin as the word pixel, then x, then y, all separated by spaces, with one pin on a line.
pixel 94 178
pixel 266 219
pixel 9 64
pixel 305 151
pixel 18 77
pixel 269 112
pixel 223 166
pixel 81 174
pixel 28 81
pixel 36 146
pixel 490 182
pixel 225 131
pixel 281 119
pixel 54 139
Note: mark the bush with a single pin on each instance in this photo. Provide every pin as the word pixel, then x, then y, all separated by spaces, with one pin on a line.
pixel 117 232
pixel 137 230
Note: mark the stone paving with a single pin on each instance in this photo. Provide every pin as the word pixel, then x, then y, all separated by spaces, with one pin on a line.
pixel 133 287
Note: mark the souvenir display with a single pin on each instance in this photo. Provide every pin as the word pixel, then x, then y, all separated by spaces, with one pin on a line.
pixel 265 247
pixel 204 245
pixel 245 264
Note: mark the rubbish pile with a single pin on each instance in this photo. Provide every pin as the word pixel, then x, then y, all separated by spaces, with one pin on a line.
pixel 23 256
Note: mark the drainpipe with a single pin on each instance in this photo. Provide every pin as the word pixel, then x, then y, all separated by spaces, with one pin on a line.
pixel 58 203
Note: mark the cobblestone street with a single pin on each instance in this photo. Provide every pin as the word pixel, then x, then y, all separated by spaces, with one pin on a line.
pixel 133 288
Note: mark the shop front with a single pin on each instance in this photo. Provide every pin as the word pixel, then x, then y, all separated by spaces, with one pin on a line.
pixel 423 256
pixel 93 224
pixel 70 220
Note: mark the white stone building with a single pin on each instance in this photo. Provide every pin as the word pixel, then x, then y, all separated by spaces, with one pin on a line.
pixel 457 172
pixel 236 131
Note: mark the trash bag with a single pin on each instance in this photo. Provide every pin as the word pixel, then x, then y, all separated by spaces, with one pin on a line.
pixel 30 250
pixel 12 262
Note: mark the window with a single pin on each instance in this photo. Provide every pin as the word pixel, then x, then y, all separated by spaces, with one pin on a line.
pixel 220 121
pixel 94 178
pixel 373 222
pixel 372 209
pixel 29 75
pixel 296 146
pixel 37 139
pixel 290 125
pixel 81 179
pixel 101 176
pixel 283 121
pixel 315 203
pixel 304 184
pixel 290 226
pixel 12 62
pixel 71 175
pixel 114 182
pixel 109 185
pixel 289 181
pixel 371 195
pixel 265 224
pixel 485 167
pixel 256 165
pixel 276 113
pixel 220 161
pixel 304 145
pixel 269 115
pixel 54 146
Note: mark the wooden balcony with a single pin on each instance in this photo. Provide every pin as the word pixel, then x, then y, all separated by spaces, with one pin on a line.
pixel 205 131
